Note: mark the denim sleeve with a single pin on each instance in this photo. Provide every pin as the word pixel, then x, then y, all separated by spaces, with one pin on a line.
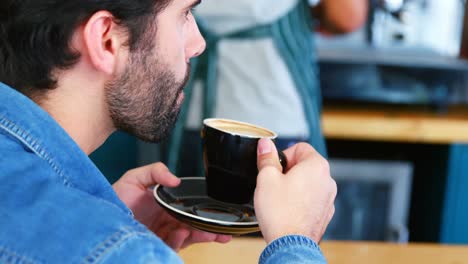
pixel 292 249
pixel 141 249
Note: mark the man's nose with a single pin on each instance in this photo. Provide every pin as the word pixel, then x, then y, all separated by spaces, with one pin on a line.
pixel 197 44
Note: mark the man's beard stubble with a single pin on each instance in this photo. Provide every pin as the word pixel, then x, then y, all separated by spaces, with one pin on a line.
pixel 143 100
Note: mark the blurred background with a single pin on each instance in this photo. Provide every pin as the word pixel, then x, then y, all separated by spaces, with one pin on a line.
pixel 395 117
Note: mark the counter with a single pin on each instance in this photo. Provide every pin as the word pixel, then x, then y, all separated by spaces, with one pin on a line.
pixel 247 250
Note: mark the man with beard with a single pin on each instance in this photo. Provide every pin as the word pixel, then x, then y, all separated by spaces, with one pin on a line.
pixel 72 73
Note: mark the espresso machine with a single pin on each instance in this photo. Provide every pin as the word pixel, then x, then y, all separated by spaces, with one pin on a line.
pixel 407 53
pixel 429 26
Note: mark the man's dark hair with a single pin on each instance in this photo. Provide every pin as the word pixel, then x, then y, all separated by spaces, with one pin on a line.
pixel 35 35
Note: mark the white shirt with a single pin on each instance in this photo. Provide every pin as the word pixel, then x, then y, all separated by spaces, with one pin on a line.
pixel 254 83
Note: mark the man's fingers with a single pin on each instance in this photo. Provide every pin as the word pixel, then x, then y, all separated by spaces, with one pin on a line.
pixel 177 238
pixel 161 174
pixel 298 153
pixel 153 174
pixel 197 236
pixel 223 239
pixel 267 155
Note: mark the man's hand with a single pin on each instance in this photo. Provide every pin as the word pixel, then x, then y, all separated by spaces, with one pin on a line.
pixel 299 202
pixel 133 190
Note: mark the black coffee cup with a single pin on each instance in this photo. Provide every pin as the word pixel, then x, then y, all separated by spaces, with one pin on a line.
pixel 230 158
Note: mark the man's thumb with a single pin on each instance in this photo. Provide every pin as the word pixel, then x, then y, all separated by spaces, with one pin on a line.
pixel 267 155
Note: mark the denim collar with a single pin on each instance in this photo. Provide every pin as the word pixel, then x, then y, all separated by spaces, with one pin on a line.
pixel 24 120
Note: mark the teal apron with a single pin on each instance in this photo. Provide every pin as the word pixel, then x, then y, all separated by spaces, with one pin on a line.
pixel 293 38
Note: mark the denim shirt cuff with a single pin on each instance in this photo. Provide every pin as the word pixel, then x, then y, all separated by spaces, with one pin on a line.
pixel 286 243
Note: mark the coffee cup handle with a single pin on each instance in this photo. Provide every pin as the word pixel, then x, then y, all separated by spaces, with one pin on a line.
pixel 283 160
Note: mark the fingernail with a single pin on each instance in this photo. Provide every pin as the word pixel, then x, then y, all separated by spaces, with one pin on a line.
pixel 173 178
pixel 264 146
pixel 177 179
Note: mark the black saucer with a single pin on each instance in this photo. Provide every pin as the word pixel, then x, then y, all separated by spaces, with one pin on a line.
pixel 189 204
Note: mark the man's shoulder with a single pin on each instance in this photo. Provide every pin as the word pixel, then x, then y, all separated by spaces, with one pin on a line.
pixel 47 222
pixel 19 165
pixel 85 244
pixel 16 158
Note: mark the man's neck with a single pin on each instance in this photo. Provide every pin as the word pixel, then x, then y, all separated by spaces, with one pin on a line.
pixel 82 113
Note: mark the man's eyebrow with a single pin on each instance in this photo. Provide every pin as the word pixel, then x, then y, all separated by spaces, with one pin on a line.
pixel 194 4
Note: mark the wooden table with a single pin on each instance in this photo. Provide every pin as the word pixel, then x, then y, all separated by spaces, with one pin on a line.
pixel 247 250
pixel 415 125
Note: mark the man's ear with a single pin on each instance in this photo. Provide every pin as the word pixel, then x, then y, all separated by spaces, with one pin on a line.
pixel 103 41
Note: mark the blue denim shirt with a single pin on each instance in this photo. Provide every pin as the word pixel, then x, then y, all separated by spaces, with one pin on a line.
pixel 56 207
